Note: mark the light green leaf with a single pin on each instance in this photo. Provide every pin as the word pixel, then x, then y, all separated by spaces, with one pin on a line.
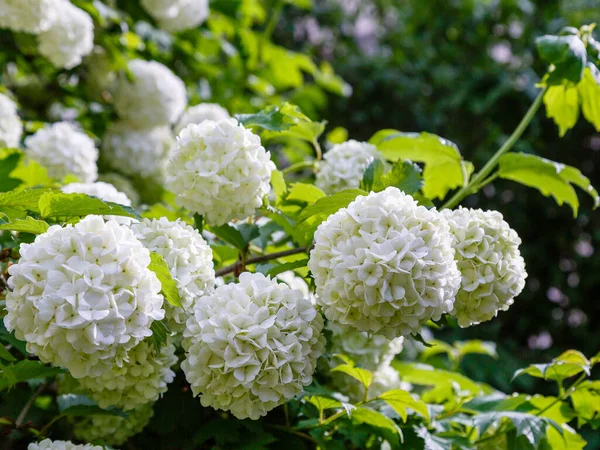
pixel 586 401
pixel 169 285
pixel 279 186
pixel 269 118
pixel 562 106
pixel 476 346
pixel 55 204
pixel 399 400
pixel 589 94
pixel 388 428
pixel 26 370
pixel 564 366
pixel 304 4
pixel 27 225
pixel 26 200
pixel 374 171
pixel 362 375
pixel 5 354
pixel 303 192
pixel 549 177
pixel 323 403
pixel 567 440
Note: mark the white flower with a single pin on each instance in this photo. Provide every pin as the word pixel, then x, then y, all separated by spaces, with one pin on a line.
pixel 177 15
pixel 63 150
pixel 113 430
pixel 69 38
pixel 219 170
pixel 29 16
pixel 133 151
pixel 344 165
pixel 47 444
pixel 251 346
pixel 141 379
pixel 488 257
pixel 104 191
pixel 11 127
pixel 155 97
pixel 199 113
pixel 82 295
pixel 384 265
pixel 294 281
pixel 188 257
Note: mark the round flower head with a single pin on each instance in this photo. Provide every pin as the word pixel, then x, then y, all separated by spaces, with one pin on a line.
pixel 63 150
pixel 122 184
pixel 141 379
pixel 11 127
pixel 188 257
pixel 137 151
pixel 488 257
pixel 219 170
pixel 28 16
pixel 199 113
pixel 113 430
pixel 69 38
pixel 82 295
pixel 155 97
pixel 344 165
pixel 384 265
pixel 177 15
pixel 251 346
pixel 294 281
pixel 47 444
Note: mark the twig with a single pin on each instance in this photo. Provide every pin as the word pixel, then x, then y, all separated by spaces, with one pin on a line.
pixel 29 404
pixel 259 259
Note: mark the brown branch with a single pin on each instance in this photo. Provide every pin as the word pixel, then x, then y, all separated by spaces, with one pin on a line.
pixel 259 259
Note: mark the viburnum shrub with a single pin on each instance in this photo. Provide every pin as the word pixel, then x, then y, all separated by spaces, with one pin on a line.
pixel 233 253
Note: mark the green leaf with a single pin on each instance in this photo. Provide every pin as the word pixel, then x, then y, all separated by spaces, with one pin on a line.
pixel 562 106
pixel 287 266
pixel 169 286
pixel 279 186
pixel 386 426
pixel 81 405
pixel 549 177
pixel 399 400
pixel 9 159
pixel 373 172
pixel 27 225
pixel 323 403
pixel 444 167
pixel 404 175
pixel 5 354
pixel 362 375
pixel 533 428
pixel 160 332
pixel 269 118
pixel 229 234
pixel 476 346
pixel 564 366
pixel 55 204
pixel 26 370
pixel 568 55
pixel 589 94
pixel 568 440
pixel 198 222
pixel 249 231
pixel 304 4
pixel 431 442
pixel 586 401
pixel 26 200
pixel 303 192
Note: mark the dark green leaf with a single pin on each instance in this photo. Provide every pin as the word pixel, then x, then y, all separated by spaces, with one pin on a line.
pixel 229 234
pixel 26 370
pixel 9 159
pixel 566 53
pixel 269 118
pixel 249 231
pixel 373 172
pixel 169 286
pixel 388 428
pixel 5 354
pixel 287 266
pixel 198 222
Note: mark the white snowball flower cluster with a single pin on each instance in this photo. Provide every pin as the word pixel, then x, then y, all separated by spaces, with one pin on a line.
pixel 251 346
pixel 122 184
pixel 344 165
pixel 69 38
pixel 47 444
pixel 188 257
pixel 103 191
pixel 155 97
pixel 83 296
pixel 294 281
pixel 219 170
pixel 199 113
pixel 141 379
pixel 29 16
pixel 384 265
pixel 177 15
pixel 134 151
pixel 63 150
pixel 113 430
pixel 11 127
pixel 488 257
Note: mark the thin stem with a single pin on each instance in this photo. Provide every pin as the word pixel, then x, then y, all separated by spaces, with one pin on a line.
pixel 318 151
pixel 335 416
pixel 291 431
pixel 46 427
pixel 259 259
pixel 298 166
pixel 29 404
pixel 491 164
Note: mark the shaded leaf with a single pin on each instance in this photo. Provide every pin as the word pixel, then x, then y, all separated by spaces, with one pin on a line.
pixel 399 400
pixel 160 332
pixel 26 370
pixel 287 266
pixel 533 428
pixel 230 235
pixel 9 159
pixel 566 53
pixel 169 285
pixel 386 426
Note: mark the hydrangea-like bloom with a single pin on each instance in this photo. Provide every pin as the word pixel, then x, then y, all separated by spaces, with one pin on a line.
pixel 344 165
pixel 103 191
pixel 251 346
pixel 177 15
pixel 384 265
pixel 122 184
pixel 294 281
pixel 113 430
pixel 63 150
pixel 141 379
pixel 219 170
pixel 155 97
pixel 69 38
pixel 11 127
pixel 188 257
pixel 28 16
pixel 82 295
pixel 137 152
pixel 47 444
pixel 199 113
pixel 488 257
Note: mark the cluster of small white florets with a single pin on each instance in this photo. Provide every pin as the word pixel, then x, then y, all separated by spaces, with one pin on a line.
pixel 29 16
pixel 251 346
pixel 297 282
pixel 82 296
pixel 135 151
pixel 344 165
pixel 199 113
pixel 219 170
pixel 384 265
pixel 113 430
pixel 488 257
pixel 122 184
pixel 63 150
pixel 177 15
pixel 140 379
pixel 47 444
pixel 155 96
pixel 11 127
pixel 188 257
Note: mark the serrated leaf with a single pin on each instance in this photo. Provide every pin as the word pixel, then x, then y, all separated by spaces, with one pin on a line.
pixel 26 200
pixel 362 375
pixel 55 204
pixel 229 234
pixel 373 172
pixel 82 405
pixel 404 175
pixel 160 332
pixel 567 54
pixel 549 177
pixel 269 118
pixel 169 286
pixel 562 106
pixel 589 94
pixel 387 427
pixel 27 225
pixel 26 370
pixel 287 266
pixel 533 428
pixel 399 400
pixel 5 354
